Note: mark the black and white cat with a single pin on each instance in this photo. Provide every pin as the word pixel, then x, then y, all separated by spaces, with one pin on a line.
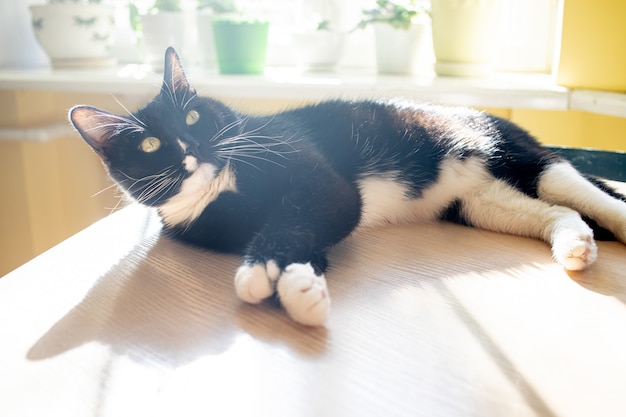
pixel 282 189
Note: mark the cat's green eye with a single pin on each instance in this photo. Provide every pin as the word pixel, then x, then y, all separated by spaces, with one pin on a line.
pixel 150 144
pixel 192 117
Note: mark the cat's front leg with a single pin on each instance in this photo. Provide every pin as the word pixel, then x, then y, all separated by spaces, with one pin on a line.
pixel 304 294
pixel 301 290
pixel 288 255
pixel 254 282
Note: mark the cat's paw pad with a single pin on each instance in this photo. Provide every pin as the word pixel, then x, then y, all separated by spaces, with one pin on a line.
pixel 575 253
pixel 304 294
pixel 255 282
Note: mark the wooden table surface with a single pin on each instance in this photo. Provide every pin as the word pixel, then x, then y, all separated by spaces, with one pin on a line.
pixel 428 320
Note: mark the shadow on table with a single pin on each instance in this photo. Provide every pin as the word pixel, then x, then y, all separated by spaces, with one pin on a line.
pixel 170 303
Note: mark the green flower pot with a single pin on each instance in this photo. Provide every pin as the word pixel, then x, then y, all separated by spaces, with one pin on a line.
pixel 240 45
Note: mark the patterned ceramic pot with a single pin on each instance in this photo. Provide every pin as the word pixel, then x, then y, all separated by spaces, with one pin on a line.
pixel 75 35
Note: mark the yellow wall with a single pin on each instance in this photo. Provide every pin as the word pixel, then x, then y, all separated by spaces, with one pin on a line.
pixel 593 50
pixel 48 189
pixel 574 128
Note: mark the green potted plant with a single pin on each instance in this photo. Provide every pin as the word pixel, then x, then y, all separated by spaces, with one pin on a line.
pixel 399 14
pixel 240 42
pixel 402 35
pixel 75 33
pixel 319 48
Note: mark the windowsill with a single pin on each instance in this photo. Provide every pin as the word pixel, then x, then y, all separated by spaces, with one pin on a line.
pixel 529 91
pixel 600 102
pixel 505 91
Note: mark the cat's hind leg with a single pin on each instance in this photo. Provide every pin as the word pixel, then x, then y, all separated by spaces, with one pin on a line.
pixel 562 184
pixel 498 206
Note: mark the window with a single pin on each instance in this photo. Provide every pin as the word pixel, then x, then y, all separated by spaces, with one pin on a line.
pixel 530 35
pixel 528 31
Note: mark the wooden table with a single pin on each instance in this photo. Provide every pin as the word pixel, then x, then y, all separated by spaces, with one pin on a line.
pixel 428 320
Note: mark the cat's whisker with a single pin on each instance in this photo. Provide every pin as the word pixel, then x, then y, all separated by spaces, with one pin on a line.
pixel 263 126
pixel 114 185
pixel 243 161
pixel 154 189
pixel 118 128
pixel 145 188
pixel 158 185
pixel 245 145
pixel 277 142
pixel 226 128
pixel 133 117
pixel 169 183
pixel 172 184
pixel 123 125
pixel 277 139
pixel 170 93
pixel 163 172
pixel 186 103
pixel 148 194
pixel 227 154
pixel 248 149
pixel 158 86
pixel 252 136
pixel 120 199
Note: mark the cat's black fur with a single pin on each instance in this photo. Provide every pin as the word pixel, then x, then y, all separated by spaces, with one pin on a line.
pixel 297 174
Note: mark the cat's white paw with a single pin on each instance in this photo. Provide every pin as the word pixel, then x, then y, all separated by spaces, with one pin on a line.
pixel 255 282
pixel 304 294
pixel 574 251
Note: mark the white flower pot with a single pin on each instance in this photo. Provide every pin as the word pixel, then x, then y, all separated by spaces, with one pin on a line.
pixel 465 35
pixel 403 51
pixel 319 50
pixel 160 31
pixel 206 43
pixel 75 35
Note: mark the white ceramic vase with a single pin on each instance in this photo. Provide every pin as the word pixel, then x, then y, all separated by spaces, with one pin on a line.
pixel 403 51
pixel 319 50
pixel 161 30
pixel 206 42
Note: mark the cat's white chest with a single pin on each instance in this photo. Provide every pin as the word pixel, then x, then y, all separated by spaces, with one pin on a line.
pixel 196 193
pixel 387 199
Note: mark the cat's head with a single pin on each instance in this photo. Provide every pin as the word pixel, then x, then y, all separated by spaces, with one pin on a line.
pixel 151 152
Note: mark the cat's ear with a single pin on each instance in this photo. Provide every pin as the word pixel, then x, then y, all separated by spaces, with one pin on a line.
pixel 174 79
pixel 95 126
